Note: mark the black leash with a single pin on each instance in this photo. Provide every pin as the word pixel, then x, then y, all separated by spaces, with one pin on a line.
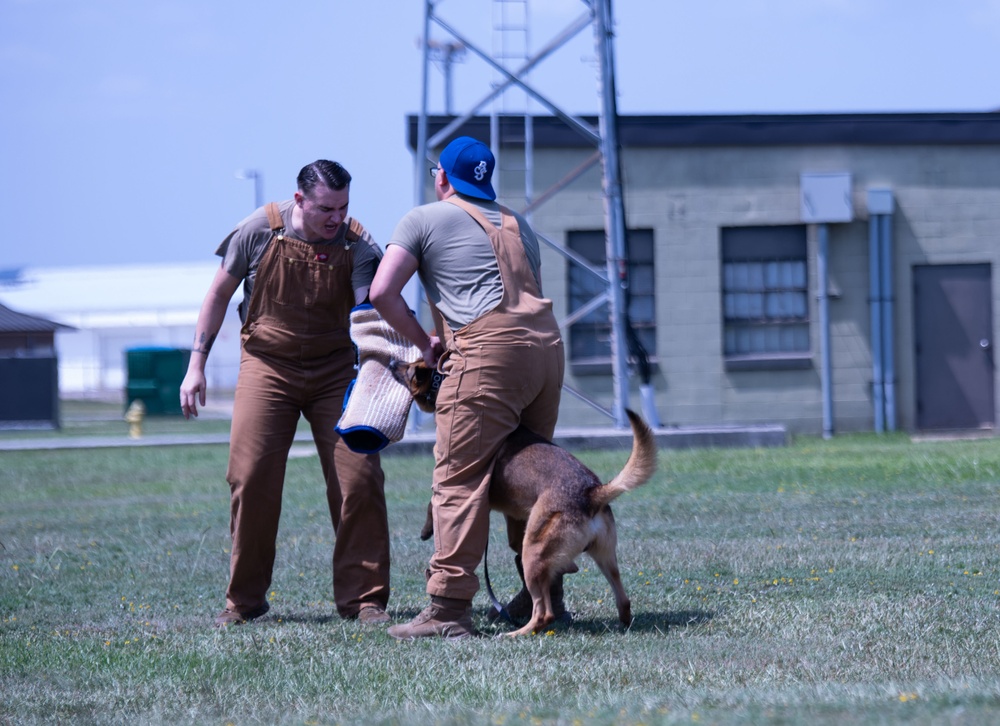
pixel 497 605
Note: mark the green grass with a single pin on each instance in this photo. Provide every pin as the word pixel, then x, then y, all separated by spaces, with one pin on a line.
pixel 852 580
pixel 105 418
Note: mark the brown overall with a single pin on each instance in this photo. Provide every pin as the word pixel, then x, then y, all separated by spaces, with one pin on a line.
pixel 297 359
pixel 503 369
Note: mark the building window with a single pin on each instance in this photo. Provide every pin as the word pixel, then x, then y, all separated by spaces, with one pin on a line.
pixel 590 336
pixel 765 296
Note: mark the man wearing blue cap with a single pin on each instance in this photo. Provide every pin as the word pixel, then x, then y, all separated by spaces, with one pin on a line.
pixel 500 349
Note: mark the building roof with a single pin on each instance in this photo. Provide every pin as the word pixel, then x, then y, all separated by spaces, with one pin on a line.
pixel 12 321
pixel 891 129
pixel 113 295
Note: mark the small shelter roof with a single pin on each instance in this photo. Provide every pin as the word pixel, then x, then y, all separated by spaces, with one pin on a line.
pixel 12 321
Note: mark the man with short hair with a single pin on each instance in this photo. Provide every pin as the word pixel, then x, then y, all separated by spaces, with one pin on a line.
pixel 500 349
pixel 303 264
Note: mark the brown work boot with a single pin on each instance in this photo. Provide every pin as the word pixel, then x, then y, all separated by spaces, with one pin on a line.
pixel 445 617
pixel 231 617
pixel 372 614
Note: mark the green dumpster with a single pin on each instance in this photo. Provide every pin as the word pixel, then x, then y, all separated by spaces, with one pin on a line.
pixel 154 377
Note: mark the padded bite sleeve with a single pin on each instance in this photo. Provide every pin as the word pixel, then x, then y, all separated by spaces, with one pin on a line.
pixel 377 405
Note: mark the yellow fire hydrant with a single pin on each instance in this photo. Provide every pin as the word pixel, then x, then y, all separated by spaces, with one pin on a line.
pixel 134 416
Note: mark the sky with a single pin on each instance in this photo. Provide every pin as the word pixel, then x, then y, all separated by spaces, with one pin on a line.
pixel 125 122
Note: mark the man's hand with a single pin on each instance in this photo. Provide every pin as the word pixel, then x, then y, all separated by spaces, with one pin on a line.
pixel 433 351
pixel 193 389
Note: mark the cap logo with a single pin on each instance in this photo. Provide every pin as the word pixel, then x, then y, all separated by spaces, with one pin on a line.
pixel 480 171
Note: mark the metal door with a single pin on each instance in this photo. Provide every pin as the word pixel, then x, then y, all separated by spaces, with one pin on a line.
pixel 953 332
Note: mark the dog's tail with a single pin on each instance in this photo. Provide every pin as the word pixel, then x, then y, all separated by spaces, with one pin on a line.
pixel 638 469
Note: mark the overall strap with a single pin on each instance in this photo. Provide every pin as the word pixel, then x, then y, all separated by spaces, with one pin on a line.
pixel 274 217
pixel 473 212
pixel 506 239
pixel 354 230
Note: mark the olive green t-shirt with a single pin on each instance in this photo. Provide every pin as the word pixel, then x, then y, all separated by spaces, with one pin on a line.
pixel 457 265
pixel 243 249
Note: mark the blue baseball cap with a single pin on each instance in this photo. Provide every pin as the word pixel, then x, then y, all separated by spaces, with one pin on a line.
pixel 469 165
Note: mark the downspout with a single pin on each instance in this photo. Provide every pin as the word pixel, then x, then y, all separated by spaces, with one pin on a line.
pixel 875 299
pixel 880 209
pixel 824 328
pixel 888 340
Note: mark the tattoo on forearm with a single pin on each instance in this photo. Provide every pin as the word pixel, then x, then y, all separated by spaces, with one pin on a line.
pixel 203 343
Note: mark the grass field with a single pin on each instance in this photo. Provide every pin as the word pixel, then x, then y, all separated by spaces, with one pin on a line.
pixel 853 580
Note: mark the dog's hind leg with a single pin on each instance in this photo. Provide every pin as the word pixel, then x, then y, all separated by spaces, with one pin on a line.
pixel 538 581
pixel 610 571
pixel 602 552
pixel 520 606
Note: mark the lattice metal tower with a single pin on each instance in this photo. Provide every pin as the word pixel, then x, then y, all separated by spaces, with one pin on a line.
pixel 511 61
pixel 511 42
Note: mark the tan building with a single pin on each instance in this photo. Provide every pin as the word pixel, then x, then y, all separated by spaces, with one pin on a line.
pixel 734 221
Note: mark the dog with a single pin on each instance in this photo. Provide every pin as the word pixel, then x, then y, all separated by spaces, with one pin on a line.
pixel 565 506
pixel 422 381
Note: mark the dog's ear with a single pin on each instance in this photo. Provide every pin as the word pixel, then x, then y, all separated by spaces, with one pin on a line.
pixel 399 371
